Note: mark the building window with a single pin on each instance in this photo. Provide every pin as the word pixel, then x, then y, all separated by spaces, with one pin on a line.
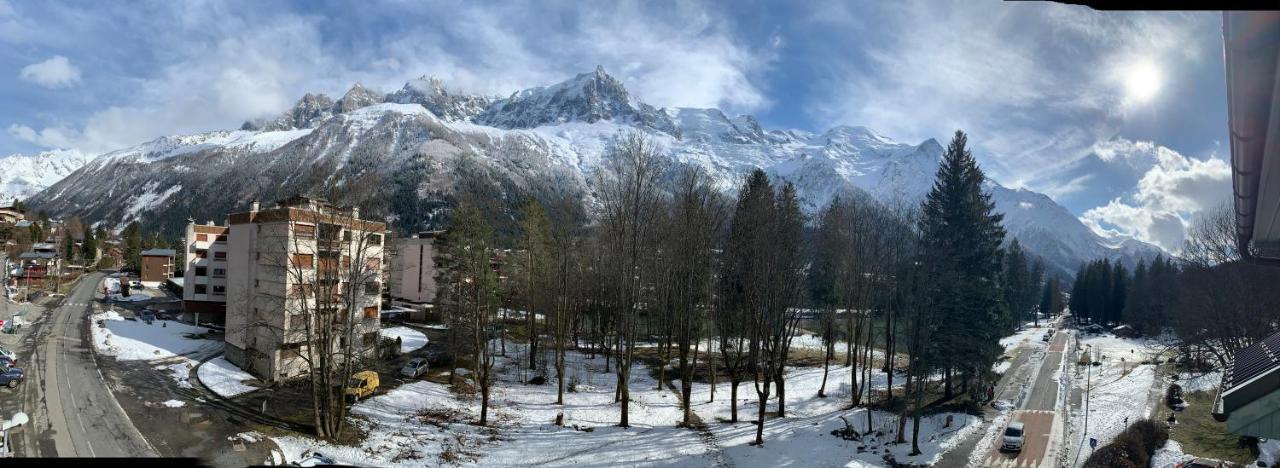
pixel 375 239
pixel 301 290
pixel 371 312
pixel 372 288
pixel 330 231
pixel 221 238
pixel 219 290
pixel 219 272
pixel 369 339
pixel 298 321
pixel 304 230
pixel 202 253
pixel 202 237
pixel 373 264
pixel 201 289
pixel 291 351
pixel 346 236
pixel 219 255
pixel 303 260
pixel 202 271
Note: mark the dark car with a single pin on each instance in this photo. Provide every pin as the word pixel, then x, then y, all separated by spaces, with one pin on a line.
pixel 7 362
pixel 1201 463
pixel 11 377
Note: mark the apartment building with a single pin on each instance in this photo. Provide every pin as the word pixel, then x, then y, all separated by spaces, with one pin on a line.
pixel 413 268
pixel 302 258
pixel 157 265
pixel 204 279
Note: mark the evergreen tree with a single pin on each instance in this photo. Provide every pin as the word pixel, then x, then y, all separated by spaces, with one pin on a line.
pixel 89 249
pixel 961 253
pixel 1016 279
pixel 132 236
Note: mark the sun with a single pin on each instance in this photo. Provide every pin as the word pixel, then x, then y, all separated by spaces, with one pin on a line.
pixel 1142 81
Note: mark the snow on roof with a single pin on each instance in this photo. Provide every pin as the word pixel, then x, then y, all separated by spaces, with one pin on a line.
pixel 158 253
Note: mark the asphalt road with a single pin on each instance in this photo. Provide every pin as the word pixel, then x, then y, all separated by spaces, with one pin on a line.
pixel 1042 431
pixel 73 413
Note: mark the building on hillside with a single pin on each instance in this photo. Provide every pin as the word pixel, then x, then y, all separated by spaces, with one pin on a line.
pixel 11 214
pixel 157 265
pixel 204 277
pixel 34 267
pixel 413 268
pixel 289 262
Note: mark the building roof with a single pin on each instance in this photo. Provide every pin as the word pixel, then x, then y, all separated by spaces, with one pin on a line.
pixel 158 253
pixel 1249 398
pixel 36 255
pixel 22 223
pixel 1255 360
pixel 1251 41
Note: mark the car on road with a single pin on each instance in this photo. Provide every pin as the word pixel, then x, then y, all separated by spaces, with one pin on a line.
pixel 311 458
pixel 1013 437
pixel 414 368
pixel 136 285
pixel 11 377
pixel 360 385
pixel 9 354
pixel 6 363
pixel 1045 339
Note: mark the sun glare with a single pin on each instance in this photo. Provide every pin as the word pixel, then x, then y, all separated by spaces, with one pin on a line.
pixel 1142 81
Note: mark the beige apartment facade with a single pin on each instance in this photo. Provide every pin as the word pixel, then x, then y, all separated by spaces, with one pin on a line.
pixel 302 259
pixel 413 268
pixel 204 278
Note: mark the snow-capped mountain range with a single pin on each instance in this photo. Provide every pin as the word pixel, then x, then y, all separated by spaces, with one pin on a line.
pixel 402 155
pixel 22 176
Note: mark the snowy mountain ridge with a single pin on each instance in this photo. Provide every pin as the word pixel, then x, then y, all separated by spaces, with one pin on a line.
pixel 26 175
pixel 401 156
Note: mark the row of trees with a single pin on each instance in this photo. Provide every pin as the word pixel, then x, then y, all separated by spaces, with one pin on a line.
pixel 722 286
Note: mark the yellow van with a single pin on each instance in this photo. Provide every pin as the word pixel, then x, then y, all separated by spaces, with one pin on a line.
pixel 360 385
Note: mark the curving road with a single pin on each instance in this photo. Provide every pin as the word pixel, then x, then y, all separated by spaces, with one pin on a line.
pixel 73 412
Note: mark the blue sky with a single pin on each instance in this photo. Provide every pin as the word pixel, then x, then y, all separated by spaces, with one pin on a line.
pixel 1121 117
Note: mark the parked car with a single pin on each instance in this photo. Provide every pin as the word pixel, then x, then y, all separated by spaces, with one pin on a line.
pixel 11 377
pixel 1202 463
pixel 9 354
pixel 136 285
pixel 165 315
pixel 415 368
pixel 361 385
pixel 1045 338
pixel 147 316
pixel 6 363
pixel 1013 437
pixel 312 458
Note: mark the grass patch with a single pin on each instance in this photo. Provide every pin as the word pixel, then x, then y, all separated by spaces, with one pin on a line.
pixel 1201 436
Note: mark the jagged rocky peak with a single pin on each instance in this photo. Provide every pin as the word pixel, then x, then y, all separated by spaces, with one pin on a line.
pixel 307 113
pixel 432 94
pixel 588 97
pixel 358 96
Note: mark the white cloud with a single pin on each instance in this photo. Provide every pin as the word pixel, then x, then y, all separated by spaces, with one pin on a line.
pixel 49 137
pixel 1032 84
pixel 219 77
pixel 56 72
pixel 1167 197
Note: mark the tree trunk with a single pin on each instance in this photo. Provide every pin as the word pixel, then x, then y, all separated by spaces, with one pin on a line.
pixel 781 382
pixel 733 399
pixel 764 403
pixel 826 369
pixel 484 404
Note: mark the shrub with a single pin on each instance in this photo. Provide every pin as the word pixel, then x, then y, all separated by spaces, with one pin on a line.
pixel 1132 448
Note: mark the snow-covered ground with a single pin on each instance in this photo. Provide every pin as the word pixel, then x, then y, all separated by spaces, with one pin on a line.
pixel 424 423
pixel 1029 336
pixel 133 340
pixel 1119 389
pixel 410 339
pixel 224 378
pixel 1194 382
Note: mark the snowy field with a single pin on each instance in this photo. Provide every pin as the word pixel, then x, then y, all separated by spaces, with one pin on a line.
pixel 224 378
pixel 1029 336
pixel 410 339
pixel 135 340
pixel 424 423
pixel 1120 388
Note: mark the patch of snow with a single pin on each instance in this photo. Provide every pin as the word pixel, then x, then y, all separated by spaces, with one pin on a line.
pixel 1169 456
pixel 224 378
pixel 410 339
pixel 135 340
pixel 174 403
pixel 180 371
